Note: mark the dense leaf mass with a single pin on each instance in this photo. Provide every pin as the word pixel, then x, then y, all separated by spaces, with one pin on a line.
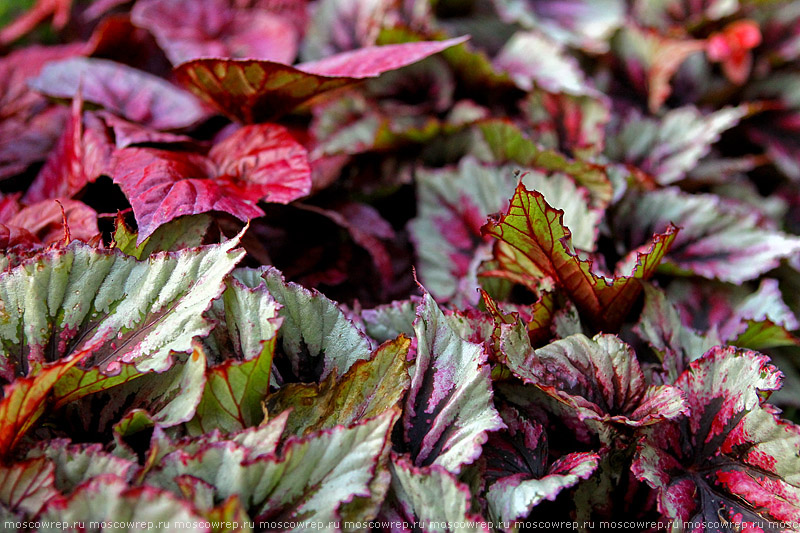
pixel 399 266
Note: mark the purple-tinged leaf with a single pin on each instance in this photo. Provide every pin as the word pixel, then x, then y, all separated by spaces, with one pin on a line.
pixel 719 239
pixel 256 163
pixel 518 471
pixel 66 300
pixel 29 127
pixel 367 228
pixel 109 499
pixel 597 379
pixel 736 315
pixel 651 59
pixel 668 147
pixel 340 26
pixel 129 133
pixel 188 30
pixel 27 486
pixel 452 207
pixel 675 343
pixel 367 389
pixel 535 248
pixel 449 409
pixel 313 478
pixel 250 90
pixel 584 23
pixel 134 94
pixel 732 458
pixel 433 498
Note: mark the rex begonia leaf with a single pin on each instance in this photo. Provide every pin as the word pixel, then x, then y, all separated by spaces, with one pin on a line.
pixel 95 401
pixel 535 244
pixel 732 457
pixel 519 473
pixel 80 156
pixel 67 300
pixel 339 26
pixel 668 147
pixel 433 498
pixel 316 337
pixel 77 463
pixel 651 59
pixel 27 486
pixel 674 342
pixel 449 409
pixel 251 90
pixel 260 162
pixel 718 238
pixel 312 478
pixel 108 499
pixel 600 378
pixel 134 94
pixel 508 144
pixel 244 343
pixel 737 315
pixel 453 205
pixel 24 401
pixel 182 232
pixel 533 60
pixel 584 23
pixel 367 389
pixel 387 321
pixel 186 30
pixel 256 441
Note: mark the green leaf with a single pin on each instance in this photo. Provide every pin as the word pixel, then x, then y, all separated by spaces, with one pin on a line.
pixel 77 463
pixel 536 249
pixel 183 232
pixel 165 398
pixel 316 336
pixel 79 298
pixel 311 479
pixel 108 498
pixel 434 497
pixel 24 400
pixel 366 390
pixel 242 345
pixel 508 144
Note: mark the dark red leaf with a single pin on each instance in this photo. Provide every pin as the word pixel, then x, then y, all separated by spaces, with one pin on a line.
pixel 188 30
pixel 80 156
